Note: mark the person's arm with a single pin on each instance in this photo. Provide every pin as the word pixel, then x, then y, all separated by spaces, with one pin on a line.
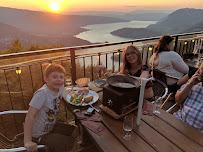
pixel 29 121
pixel 145 72
pixel 178 63
pixel 104 69
pixel 181 96
pixel 148 92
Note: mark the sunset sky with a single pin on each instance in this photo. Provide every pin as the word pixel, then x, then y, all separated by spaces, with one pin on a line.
pixel 60 6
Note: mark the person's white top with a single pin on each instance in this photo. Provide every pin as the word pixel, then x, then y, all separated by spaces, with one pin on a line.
pixel 173 65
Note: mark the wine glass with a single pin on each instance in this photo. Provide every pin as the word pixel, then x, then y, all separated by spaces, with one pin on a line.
pixel 157 104
pixel 68 80
pixel 200 58
pixel 128 126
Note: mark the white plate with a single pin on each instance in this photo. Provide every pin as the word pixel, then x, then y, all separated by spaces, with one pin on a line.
pixel 91 93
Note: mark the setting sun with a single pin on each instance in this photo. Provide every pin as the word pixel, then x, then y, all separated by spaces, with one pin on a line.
pixel 55 7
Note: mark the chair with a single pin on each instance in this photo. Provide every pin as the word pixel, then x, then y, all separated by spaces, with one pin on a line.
pixel 159 75
pixel 173 108
pixel 16 144
pixel 160 88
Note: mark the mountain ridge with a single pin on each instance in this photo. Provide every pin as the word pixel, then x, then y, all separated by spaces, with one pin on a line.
pixel 46 23
pixel 180 21
pixel 44 28
pixel 10 33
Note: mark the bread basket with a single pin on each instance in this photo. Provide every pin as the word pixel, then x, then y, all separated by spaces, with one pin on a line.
pixel 82 82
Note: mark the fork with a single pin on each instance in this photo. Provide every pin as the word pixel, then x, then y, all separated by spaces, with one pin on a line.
pixel 97 110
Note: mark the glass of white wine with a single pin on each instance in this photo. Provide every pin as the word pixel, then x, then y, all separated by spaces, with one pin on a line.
pixel 157 104
pixel 68 80
pixel 128 126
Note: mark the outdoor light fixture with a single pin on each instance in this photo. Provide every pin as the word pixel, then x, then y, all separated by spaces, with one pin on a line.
pixel 18 70
pixel 193 40
pixel 118 53
pixel 98 56
pixel 185 43
pixel 150 48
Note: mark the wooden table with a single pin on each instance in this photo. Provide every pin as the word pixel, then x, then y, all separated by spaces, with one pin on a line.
pixel 193 63
pixel 163 133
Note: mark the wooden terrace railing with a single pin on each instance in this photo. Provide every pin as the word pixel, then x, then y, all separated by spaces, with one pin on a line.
pixel 21 74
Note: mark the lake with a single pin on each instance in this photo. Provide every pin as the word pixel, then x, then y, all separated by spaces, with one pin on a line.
pixel 100 33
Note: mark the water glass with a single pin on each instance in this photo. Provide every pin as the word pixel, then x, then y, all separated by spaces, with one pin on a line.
pixel 68 80
pixel 157 104
pixel 128 126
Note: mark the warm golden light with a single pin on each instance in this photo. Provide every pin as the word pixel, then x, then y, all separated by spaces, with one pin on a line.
pixel 18 71
pixel 55 7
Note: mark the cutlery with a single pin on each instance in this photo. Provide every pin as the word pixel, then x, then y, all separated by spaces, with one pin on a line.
pixel 97 110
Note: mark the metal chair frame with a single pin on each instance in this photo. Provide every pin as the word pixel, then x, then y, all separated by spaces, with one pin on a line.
pixel 160 88
pixel 9 143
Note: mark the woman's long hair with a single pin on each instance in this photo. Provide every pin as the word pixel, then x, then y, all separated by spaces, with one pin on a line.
pixel 162 44
pixel 126 65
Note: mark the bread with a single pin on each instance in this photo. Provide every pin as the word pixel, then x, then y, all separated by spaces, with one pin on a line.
pixel 82 82
pixel 87 99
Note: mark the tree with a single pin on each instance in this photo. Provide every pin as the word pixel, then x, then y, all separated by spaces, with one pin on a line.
pixel 33 47
pixel 15 48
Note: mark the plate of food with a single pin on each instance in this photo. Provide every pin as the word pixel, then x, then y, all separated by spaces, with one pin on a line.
pixel 82 97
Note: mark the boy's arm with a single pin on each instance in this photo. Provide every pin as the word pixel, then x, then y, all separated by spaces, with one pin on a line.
pixel 29 121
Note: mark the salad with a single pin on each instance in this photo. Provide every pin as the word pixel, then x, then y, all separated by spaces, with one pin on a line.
pixel 78 97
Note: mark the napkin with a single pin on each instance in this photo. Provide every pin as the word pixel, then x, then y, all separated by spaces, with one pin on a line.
pixel 96 127
pixel 148 109
pixel 82 116
pixel 92 86
pixel 94 117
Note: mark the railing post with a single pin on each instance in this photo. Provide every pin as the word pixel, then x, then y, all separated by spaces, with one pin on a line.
pixel 119 60
pixel 73 66
pixel 99 55
pixel 176 43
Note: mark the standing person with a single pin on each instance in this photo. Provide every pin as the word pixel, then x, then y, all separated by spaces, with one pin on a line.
pixel 132 65
pixel 169 62
pixel 40 122
pixel 190 97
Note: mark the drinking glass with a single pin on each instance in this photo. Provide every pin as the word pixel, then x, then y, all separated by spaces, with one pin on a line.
pixel 157 104
pixel 127 126
pixel 68 80
pixel 200 58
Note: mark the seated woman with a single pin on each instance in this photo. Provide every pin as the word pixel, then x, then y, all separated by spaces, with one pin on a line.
pixel 132 65
pixel 169 62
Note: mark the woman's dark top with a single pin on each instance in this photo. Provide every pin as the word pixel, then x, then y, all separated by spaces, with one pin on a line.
pixel 139 72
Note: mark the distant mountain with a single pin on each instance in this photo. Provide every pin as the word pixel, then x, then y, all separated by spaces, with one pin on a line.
pixel 140 15
pixel 144 16
pixel 44 23
pixel 196 28
pixel 9 33
pixel 135 33
pixel 179 21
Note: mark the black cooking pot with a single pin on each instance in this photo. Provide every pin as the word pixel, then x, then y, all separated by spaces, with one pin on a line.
pixel 122 81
